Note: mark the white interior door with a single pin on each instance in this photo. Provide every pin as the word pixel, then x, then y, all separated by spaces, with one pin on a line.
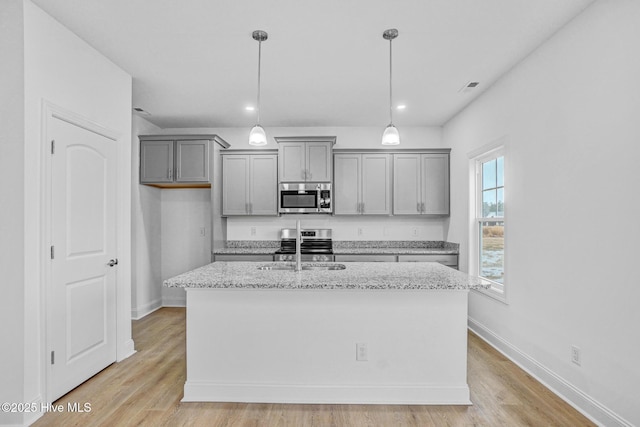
pixel 81 307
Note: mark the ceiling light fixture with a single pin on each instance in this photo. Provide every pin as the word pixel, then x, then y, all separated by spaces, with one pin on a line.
pixel 257 136
pixel 391 136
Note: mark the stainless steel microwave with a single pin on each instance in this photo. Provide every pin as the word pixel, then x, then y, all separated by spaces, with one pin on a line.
pixel 304 197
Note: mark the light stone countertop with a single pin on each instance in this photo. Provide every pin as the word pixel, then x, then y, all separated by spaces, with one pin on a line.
pixel 268 247
pixel 357 275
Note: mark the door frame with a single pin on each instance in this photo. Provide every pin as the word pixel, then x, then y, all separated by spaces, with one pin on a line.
pixel 124 341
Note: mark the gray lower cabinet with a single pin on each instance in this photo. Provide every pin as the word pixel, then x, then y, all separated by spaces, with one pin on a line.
pixel 165 161
pixel 365 258
pixel 450 260
pixel 243 257
pixel 249 184
pixel 421 184
pixel 362 184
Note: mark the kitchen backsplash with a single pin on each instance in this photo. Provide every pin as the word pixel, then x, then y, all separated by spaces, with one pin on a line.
pixel 345 228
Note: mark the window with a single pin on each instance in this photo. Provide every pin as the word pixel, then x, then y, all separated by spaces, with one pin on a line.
pixel 487 240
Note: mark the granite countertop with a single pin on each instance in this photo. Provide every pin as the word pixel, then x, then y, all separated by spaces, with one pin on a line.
pixel 357 275
pixel 347 247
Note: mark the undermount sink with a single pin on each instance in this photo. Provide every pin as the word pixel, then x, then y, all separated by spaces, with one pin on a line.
pixel 290 267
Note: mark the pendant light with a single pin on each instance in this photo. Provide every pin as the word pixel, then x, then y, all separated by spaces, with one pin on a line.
pixel 391 136
pixel 257 136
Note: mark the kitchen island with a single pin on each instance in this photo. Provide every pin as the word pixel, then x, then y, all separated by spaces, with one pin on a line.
pixel 385 333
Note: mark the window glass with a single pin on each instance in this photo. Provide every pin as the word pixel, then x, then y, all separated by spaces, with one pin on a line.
pixel 489 174
pixel 489 203
pixel 500 171
pixel 491 221
pixel 491 265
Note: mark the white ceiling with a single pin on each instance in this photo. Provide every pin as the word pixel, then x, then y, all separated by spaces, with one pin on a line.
pixel 194 62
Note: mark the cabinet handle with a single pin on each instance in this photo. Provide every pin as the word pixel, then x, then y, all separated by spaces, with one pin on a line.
pixel 418 207
pixel 177 173
pixel 308 174
pixel 423 209
pixel 362 208
pixel 250 208
pixel 170 176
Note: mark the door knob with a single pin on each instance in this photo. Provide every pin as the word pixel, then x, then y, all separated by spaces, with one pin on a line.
pixel 112 262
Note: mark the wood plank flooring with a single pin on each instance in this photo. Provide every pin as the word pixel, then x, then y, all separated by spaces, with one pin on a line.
pixel 146 389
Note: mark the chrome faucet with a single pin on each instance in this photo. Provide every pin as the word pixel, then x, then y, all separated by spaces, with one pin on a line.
pixel 298 242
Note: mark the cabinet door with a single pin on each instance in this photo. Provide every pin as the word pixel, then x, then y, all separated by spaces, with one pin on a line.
pixel 235 185
pixel 192 161
pixel 156 161
pixel 346 186
pixel 263 185
pixel 318 161
pixel 376 184
pixel 291 161
pixel 435 184
pixel 407 191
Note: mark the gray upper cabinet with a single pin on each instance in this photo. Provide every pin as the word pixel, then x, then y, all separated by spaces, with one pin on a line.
pixel 176 160
pixel 192 161
pixel 305 159
pixel 362 184
pixel 249 184
pixel 421 183
pixel 156 161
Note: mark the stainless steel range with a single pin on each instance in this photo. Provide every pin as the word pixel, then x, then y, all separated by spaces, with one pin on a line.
pixel 316 245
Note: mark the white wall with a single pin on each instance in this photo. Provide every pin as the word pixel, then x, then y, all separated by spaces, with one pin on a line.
pixel 345 228
pixel 571 115
pixel 185 213
pixel 146 295
pixel 62 69
pixel 12 207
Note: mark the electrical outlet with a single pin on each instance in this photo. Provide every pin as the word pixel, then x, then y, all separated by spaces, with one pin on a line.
pixel 360 231
pixel 203 231
pixel 253 231
pixel 576 357
pixel 414 231
pixel 362 354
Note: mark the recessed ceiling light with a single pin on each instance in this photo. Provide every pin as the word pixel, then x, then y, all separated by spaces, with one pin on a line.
pixel 250 108
pixel 401 107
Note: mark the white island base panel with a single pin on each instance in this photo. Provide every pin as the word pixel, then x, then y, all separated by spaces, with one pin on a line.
pixel 299 346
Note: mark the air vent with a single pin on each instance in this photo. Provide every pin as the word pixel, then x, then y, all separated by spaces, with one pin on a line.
pixel 468 87
pixel 141 112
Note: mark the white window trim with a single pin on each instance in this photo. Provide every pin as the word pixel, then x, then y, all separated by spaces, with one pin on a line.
pixel 490 151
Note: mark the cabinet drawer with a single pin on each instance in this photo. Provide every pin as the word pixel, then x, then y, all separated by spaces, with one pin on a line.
pixel 249 257
pixel 365 258
pixel 451 260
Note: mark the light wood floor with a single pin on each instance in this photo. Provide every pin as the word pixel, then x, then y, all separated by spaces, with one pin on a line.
pixel 146 389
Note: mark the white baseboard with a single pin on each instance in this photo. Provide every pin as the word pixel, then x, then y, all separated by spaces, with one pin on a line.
pixel 582 402
pixel 125 350
pixel 329 394
pixel 140 312
pixel 32 417
pixel 174 302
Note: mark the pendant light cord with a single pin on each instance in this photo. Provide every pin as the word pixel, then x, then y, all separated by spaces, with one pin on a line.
pixel 259 60
pixel 390 83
